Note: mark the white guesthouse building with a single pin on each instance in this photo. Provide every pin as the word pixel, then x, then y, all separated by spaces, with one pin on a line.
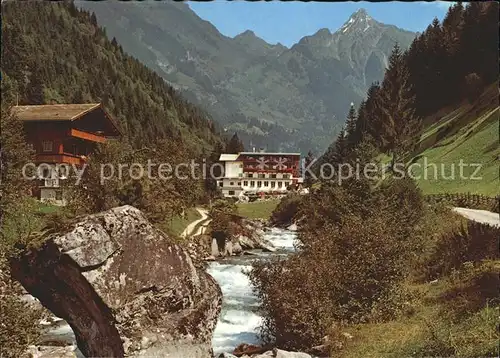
pixel 259 173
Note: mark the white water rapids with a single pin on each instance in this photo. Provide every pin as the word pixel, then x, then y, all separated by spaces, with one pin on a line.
pixel 239 321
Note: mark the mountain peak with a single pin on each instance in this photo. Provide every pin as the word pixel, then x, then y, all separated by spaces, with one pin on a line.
pixel 246 33
pixel 358 20
pixel 360 13
pixel 324 31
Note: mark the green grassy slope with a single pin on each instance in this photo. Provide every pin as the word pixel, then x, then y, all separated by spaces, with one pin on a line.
pixel 257 209
pixel 177 224
pixel 470 133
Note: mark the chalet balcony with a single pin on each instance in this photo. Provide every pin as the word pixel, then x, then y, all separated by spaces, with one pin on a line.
pixel 91 137
pixel 65 158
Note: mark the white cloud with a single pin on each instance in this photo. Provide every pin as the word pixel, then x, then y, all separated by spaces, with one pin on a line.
pixel 440 4
pixel 444 4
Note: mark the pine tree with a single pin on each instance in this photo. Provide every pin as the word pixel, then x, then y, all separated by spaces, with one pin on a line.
pixel 372 114
pixel 308 180
pixel 235 146
pixel 399 122
pixel 488 56
pixel 14 152
pixel 350 126
pixel 360 130
pixel 35 88
pixel 337 153
pixel 14 59
pixel 78 97
pixel 93 20
pixel 471 33
pixel 452 29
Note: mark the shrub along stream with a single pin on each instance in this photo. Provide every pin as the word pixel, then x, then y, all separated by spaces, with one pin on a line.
pixel 362 252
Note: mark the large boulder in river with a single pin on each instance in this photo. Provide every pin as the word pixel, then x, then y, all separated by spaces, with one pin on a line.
pixel 237 249
pixel 251 236
pixel 124 287
pixel 246 243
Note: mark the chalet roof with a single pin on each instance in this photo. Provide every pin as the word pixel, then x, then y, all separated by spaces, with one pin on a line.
pixel 228 157
pixel 61 112
pixel 53 112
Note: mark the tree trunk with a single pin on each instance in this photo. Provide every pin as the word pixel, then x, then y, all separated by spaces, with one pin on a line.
pixel 56 280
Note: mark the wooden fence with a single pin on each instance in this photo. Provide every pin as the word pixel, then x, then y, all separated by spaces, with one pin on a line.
pixel 466 200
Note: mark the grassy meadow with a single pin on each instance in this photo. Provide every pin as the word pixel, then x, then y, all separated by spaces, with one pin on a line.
pixel 177 224
pixel 257 209
pixel 469 133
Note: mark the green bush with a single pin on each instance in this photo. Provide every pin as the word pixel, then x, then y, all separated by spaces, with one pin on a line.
pixel 286 211
pixel 473 243
pixel 18 325
pixel 468 319
pixel 355 246
pixel 222 213
pixel 471 288
pixel 18 321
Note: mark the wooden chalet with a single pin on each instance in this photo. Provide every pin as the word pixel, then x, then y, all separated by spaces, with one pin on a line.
pixel 64 134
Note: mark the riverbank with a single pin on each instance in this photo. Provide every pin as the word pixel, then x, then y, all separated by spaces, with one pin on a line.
pixel 240 319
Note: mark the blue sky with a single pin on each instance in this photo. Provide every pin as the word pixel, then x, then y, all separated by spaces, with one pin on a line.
pixel 288 22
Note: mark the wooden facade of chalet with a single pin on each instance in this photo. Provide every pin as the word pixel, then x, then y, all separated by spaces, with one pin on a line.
pixel 63 134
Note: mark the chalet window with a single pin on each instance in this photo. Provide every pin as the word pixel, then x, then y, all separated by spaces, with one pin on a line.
pixel 231 192
pixel 62 172
pixel 46 174
pixel 47 146
pixel 245 183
